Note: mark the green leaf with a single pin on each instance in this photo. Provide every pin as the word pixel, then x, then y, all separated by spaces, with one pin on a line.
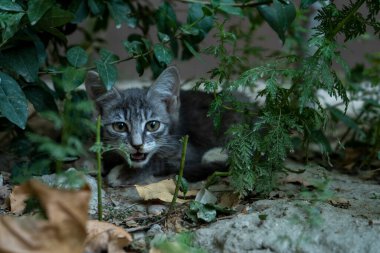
pixel 10 6
pixel 227 7
pixel 279 16
pixel 56 33
pixel 106 69
pixel 163 54
pixel 23 61
pixel 307 3
pixel 163 37
pixel 192 50
pixel 97 7
pixel 183 185
pixel 133 47
pixel 121 13
pixel 199 18
pixel 345 119
pixel 41 99
pixel 37 8
pixel 79 9
pixel 77 56
pixel 189 30
pixel 39 45
pixel 206 214
pixel 9 22
pixel 55 17
pixel 166 19
pixel 72 78
pixel 13 103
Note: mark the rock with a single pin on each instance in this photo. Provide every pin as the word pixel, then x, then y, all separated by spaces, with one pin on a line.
pixel 301 225
pixel 156 209
pixel 154 230
pixel 67 182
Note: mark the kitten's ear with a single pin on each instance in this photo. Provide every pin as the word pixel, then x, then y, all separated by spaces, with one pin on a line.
pixel 96 90
pixel 166 88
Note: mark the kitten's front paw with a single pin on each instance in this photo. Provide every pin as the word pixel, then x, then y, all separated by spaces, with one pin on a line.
pixel 215 155
pixel 122 176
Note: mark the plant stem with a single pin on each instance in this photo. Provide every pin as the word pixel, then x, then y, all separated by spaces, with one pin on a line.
pixel 340 25
pixel 211 179
pixel 185 139
pixel 99 169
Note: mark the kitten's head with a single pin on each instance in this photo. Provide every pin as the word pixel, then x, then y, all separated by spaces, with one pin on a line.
pixel 139 119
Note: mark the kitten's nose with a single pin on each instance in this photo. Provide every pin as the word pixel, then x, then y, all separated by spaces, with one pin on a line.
pixel 137 146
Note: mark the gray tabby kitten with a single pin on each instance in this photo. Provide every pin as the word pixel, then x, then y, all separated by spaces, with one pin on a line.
pixel 150 123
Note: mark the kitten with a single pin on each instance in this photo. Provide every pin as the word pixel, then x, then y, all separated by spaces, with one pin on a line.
pixel 149 123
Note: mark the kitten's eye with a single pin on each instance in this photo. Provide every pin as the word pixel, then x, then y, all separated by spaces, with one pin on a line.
pixel 119 127
pixel 152 126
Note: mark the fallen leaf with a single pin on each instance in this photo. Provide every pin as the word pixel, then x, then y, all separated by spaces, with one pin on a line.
pixel 297 179
pixel 17 199
pixel 340 202
pixel 106 237
pixel 204 196
pixel 162 190
pixel 229 199
pixel 63 232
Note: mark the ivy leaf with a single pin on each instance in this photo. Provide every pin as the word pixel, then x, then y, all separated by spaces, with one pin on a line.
pixel 279 16
pixel 72 78
pixel 77 56
pixel 307 3
pixel 37 8
pixel 97 7
pixel 55 17
pixel 41 99
pixel 227 7
pixel 23 61
pixel 163 37
pixel 163 54
pixel 133 47
pixel 10 6
pixel 121 13
pixel 13 103
pixel 196 15
pixel 9 23
pixel 166 18
pixel 192 50
pixel 39 45
pixel 106 69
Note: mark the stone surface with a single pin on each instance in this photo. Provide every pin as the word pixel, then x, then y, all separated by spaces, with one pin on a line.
pixel 349 223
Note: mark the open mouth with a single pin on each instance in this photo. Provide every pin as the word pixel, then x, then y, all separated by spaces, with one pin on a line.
pixel 138 157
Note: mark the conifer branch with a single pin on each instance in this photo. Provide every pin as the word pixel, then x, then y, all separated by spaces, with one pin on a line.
pixel 343 22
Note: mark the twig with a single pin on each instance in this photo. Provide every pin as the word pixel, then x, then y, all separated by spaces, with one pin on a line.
pixel 99 169
pixel 181 168
pixel 130 230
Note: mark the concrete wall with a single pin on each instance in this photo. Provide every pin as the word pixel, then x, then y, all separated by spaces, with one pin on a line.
pixel 194 68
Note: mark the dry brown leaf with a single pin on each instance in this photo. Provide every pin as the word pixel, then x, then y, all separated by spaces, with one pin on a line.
pixel 63 232
pixel 106 237
pixel 162 190
pixel 229 199
pixel 340 202
pixel 17 199
pixel 297 179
